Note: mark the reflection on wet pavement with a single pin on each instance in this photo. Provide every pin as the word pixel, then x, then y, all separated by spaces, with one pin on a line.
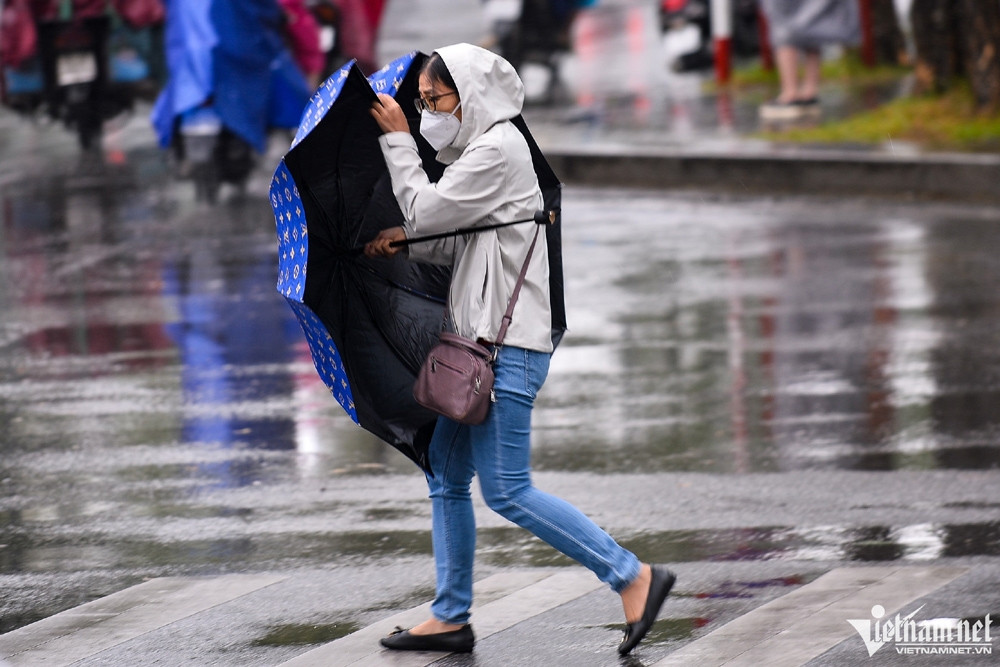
pixel 29 546
pixel 772 338
pixel 703 337
pixel 508 547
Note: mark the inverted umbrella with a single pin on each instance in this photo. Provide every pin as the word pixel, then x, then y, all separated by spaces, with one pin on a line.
pixel 369 322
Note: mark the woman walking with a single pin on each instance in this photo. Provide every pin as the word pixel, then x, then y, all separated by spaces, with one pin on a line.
pixel 468 96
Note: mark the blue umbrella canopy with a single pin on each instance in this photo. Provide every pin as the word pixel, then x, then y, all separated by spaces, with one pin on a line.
pixel 369 322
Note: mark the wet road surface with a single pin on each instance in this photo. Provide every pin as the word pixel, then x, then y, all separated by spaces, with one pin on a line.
pixel 777 381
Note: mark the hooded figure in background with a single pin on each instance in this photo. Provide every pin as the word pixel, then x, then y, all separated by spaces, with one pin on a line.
pixel 231 56
pixel 468 98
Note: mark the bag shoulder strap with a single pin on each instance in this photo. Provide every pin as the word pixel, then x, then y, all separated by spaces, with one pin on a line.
pixel 509 315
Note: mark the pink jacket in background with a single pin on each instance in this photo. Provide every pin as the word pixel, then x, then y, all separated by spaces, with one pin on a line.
pixel 359 30
pixel 303 33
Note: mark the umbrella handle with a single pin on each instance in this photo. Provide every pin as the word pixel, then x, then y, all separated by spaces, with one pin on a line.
pixel 539 218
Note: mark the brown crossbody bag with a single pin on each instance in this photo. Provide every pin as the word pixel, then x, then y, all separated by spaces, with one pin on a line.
pixel 456 380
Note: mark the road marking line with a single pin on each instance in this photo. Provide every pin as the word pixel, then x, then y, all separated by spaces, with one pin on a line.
pixel 86 630
pixel 517 596
pixel 795 628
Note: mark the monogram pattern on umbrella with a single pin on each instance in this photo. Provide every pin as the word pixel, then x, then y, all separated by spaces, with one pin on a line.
pixel 388 79
pixel 325 357
pixel 293 235
pixel 320 103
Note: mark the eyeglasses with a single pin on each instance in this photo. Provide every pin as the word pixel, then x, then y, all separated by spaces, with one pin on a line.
pixel 430 103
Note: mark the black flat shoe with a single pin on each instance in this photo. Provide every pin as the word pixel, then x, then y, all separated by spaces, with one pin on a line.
pixel 659 587
pixel 456 641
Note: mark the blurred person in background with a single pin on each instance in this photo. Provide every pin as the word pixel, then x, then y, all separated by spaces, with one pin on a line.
pixel 230 56
pixel 359 25
pixel 799 30
pixel 232 79
pixel 533 31
pixel 303 35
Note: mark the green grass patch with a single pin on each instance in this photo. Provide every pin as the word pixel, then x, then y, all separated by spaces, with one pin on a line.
pixel 847 68
pixel 946 122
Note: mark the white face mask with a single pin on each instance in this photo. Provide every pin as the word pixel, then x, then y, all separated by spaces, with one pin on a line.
pixel 440 128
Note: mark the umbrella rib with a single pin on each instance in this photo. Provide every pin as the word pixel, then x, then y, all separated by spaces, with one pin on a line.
pixel 341 198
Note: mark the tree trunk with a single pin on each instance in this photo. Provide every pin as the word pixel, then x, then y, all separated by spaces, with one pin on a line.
pixel 890 46
pixel 979 44
pixel 934 34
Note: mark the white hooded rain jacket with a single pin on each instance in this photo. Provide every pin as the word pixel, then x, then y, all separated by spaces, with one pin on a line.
pixel 489 179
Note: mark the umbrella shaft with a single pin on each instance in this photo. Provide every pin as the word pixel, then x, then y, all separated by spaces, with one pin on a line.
pixel 540 217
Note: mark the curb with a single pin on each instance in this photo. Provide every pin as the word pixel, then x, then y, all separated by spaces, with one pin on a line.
pixel 943 177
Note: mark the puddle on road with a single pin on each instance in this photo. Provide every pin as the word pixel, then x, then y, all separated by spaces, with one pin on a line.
pixel 668 630
pixel 507 547
pixel 304 634
pixel 24 551
pixel 21 553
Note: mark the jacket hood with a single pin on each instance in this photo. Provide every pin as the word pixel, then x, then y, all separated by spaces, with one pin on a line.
pixel 489 88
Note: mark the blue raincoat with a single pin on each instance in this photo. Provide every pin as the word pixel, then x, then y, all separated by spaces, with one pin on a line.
pixel 231 54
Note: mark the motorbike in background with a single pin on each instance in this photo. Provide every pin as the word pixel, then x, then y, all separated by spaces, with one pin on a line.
pixel 696 16
pixel 78 69
pixel 210 154
pixel 533 31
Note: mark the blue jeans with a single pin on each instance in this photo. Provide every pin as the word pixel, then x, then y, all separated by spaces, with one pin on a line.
pixel 499 451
